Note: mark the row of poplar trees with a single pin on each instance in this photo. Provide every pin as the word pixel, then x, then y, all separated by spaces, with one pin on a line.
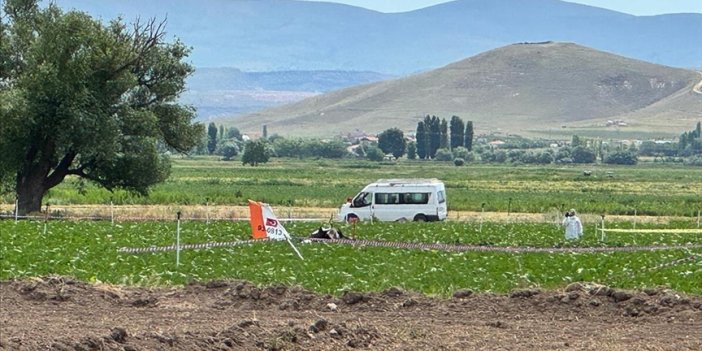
pixel 434 134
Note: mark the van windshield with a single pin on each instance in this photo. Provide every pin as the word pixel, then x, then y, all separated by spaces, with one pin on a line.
pixel 362 199
pixel 441 197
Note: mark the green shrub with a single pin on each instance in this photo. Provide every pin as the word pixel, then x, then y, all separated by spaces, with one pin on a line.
pixel 443 155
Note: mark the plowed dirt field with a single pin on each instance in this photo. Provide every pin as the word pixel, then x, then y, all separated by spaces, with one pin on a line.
pixel 58 313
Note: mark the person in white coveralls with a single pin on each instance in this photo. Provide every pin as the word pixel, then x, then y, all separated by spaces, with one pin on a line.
pixel 573 226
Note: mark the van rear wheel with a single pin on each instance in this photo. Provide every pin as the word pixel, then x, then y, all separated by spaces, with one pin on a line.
pixel 420 218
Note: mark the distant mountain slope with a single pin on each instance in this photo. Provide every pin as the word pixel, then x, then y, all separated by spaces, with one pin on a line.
pixel 515 89
pixel 273 35
pixel 218 92
pixel 311 81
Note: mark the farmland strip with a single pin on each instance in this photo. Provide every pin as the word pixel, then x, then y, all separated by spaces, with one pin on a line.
pixel 512 249
pixel 421 246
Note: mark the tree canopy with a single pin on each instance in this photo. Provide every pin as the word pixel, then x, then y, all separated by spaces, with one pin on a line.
pixel 392 141
pixel 80 98
pixel 255 152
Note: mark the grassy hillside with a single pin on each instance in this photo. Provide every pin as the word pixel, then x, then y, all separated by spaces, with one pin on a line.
pixel 521 88
pixel 219 92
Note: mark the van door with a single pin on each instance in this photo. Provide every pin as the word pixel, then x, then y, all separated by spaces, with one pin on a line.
pixel 386 206
pixel 362 205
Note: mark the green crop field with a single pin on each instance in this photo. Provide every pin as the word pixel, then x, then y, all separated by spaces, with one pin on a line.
pixel 647 189
pixel 89 251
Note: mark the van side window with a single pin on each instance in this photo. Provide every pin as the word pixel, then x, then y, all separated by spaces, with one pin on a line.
pixel 387 198
pixel 401 199
pixel 362 200
pixel 441 197
pixel 415 198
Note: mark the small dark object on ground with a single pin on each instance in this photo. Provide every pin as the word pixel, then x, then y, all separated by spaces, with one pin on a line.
pixel 327 233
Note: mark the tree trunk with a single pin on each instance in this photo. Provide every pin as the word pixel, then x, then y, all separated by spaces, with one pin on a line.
pixel 37 177
pixel 30 191
pixel 32 185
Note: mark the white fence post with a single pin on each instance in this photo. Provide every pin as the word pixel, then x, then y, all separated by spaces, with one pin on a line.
pixel 178 241
pixel 207 212
pixel 46 219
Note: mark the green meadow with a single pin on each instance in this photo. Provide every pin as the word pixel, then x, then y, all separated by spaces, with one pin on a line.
pixel 88 250
pixel 646 189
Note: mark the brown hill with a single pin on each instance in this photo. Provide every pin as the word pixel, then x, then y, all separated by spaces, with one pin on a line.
pixel 521 88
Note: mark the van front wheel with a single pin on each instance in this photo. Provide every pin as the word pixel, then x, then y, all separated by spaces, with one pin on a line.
pixel 351 218
pixel 420 218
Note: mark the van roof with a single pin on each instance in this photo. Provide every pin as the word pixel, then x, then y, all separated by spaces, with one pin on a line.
pixel 408 181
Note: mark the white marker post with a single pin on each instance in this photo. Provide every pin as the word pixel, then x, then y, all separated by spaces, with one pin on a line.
pixel 207 212
pixel 178 241
pixel 17 210
pixel 46 218
pixel 635 218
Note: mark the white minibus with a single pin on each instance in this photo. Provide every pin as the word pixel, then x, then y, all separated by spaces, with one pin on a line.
pixel 398 200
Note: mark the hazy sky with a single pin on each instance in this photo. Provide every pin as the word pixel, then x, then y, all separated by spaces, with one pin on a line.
pixel 634 7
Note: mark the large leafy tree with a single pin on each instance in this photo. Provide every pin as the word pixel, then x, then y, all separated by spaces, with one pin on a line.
pixel 622 158
pixel 581 154
pixel 392 141
pixel 84 99
pixel 255 152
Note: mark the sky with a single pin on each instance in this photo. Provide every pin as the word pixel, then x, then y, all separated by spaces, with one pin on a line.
pixel 634 7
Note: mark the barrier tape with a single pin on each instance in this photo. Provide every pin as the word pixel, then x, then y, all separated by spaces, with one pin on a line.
pixel 690 258
pixel 419 246
pixel 147 219
pixel 661 231
pixel 510 249
pixel 153 249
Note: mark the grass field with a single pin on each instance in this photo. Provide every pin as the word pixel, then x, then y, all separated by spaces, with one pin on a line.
pixel 659 190
pixel 89 251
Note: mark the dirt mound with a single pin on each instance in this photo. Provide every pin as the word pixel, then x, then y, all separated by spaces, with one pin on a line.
pixel 64 314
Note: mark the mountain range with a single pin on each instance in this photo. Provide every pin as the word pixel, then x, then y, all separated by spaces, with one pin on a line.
pixel 251 55
pixel 529 88
pixel 283 35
